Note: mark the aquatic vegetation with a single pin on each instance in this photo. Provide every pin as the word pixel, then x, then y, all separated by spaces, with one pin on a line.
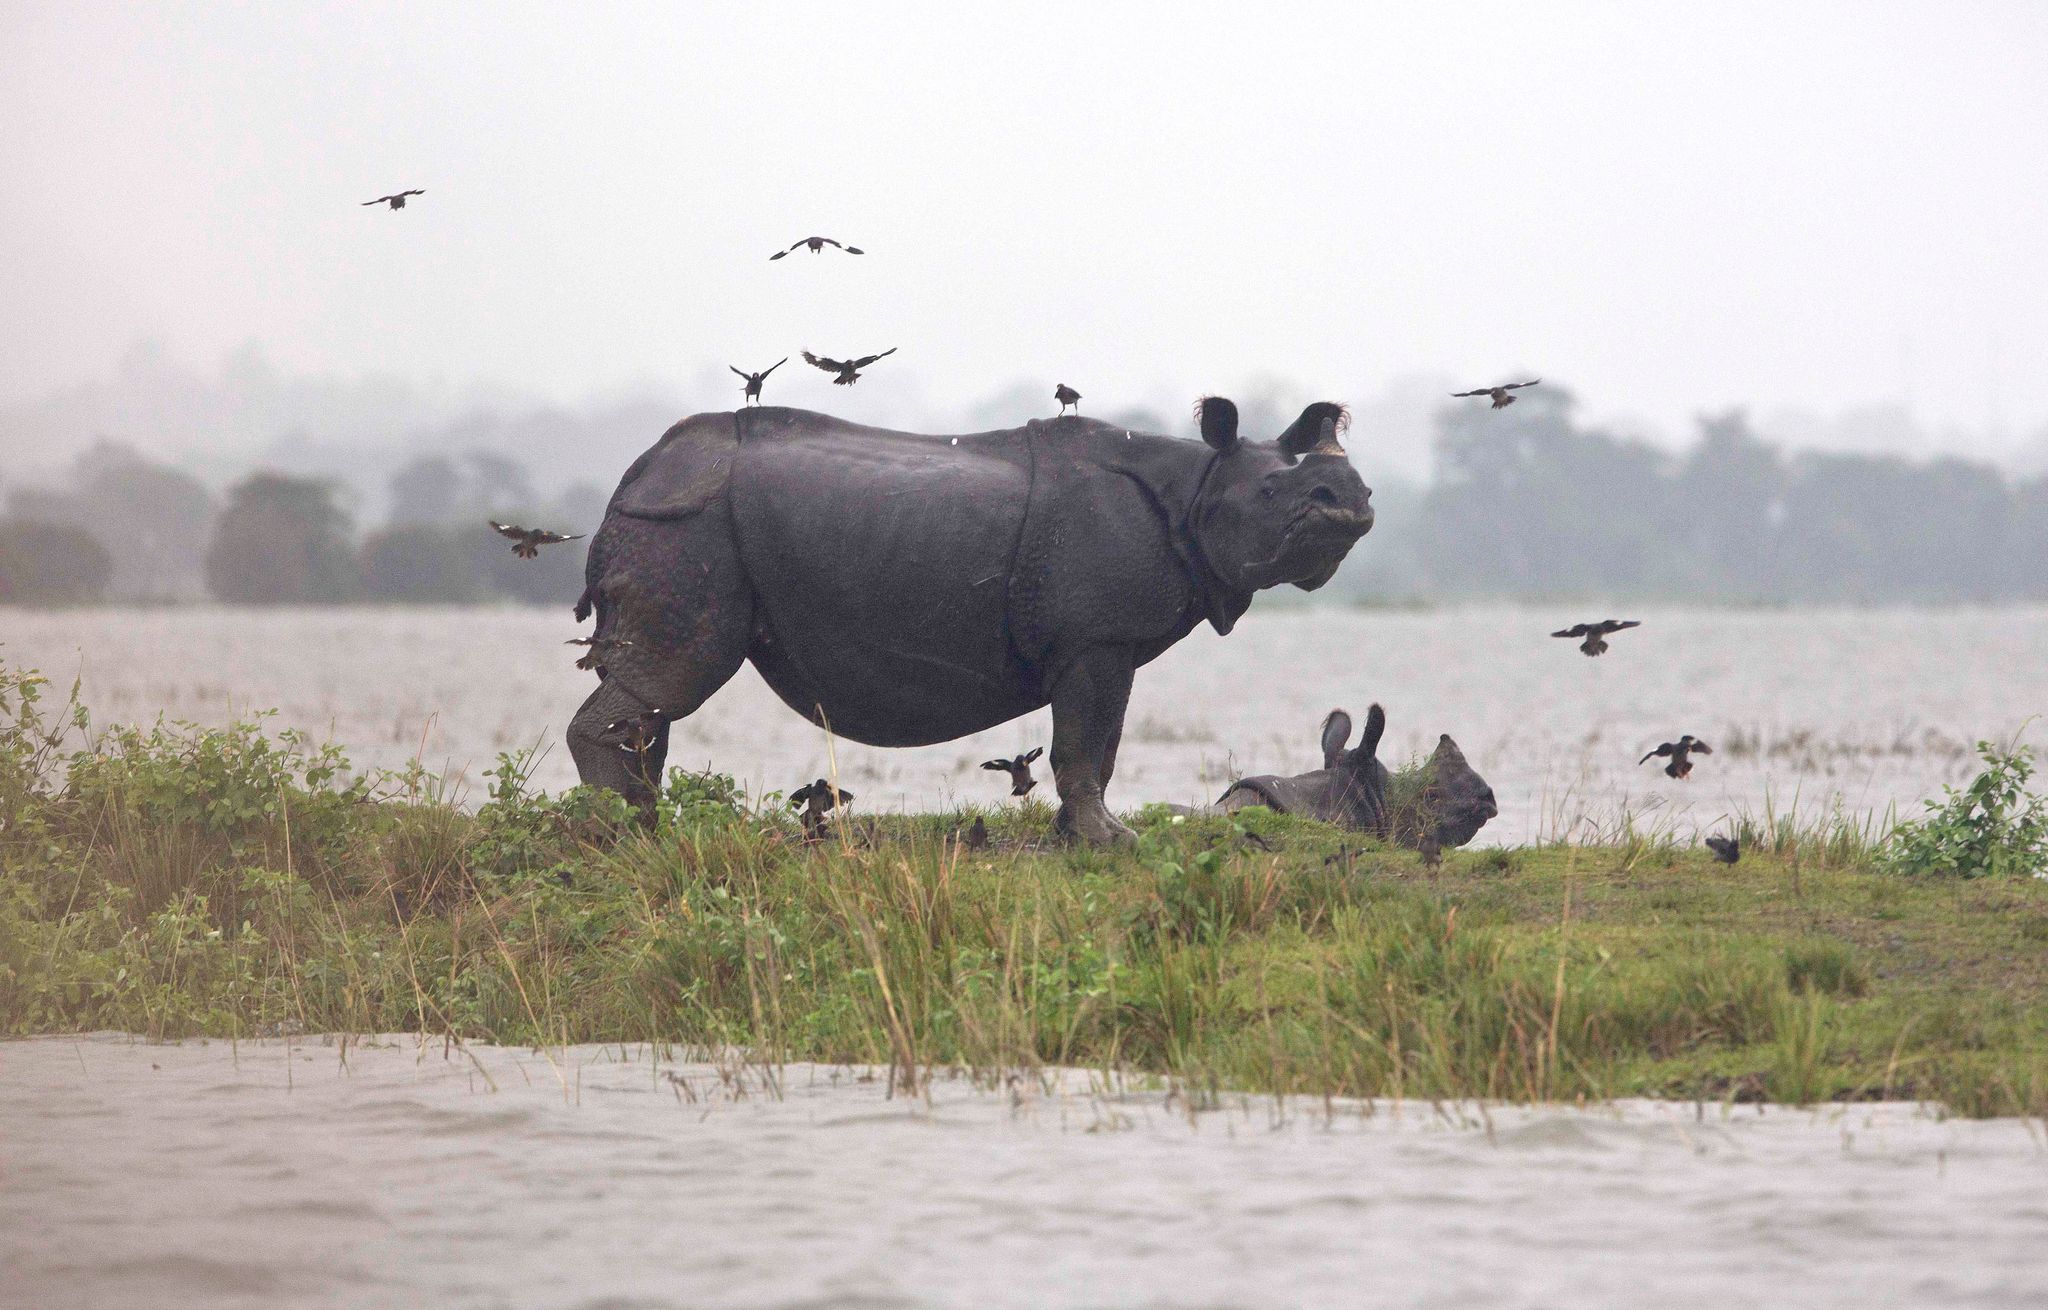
pixel 179 880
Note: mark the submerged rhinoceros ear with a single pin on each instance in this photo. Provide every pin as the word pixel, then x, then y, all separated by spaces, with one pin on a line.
pixel 1315 432
pixel 1336 734
pixel 1218 418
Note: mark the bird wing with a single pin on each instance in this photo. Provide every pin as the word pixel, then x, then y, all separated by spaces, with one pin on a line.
pixel 1483 391
pixel 1701 748
pixel 542 536
pixel 772 367
pixel 851 250
pixel 1617 625
pixel 412 193
pixel 819 361
pixel 748 376
pixel 1576 630
pixel 1665 749
pixel 511 530
pixel 1001 765
pixel 779 254
pixel 1033 754
pixel 378 201
pixel 869 359
pixel 830 242
pixel 1516 386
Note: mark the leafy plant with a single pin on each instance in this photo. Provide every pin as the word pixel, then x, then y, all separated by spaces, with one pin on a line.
pixel 1994 827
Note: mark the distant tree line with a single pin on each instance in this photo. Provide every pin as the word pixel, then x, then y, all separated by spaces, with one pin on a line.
pixel 1528 501
pixel 129 529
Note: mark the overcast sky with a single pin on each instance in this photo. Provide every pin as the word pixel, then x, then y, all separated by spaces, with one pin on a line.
pixel 1780 205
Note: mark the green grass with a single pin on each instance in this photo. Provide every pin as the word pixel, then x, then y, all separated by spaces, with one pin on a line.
pixel 184 881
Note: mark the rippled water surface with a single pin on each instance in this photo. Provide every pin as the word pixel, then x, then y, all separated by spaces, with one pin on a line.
pixel 394 1174
pixel 1876 708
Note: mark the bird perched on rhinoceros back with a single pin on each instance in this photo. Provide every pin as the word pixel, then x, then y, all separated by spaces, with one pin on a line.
pixel 1680 753
pixel 1066 395
pixel 906 590
pixel 1445 802
pixel 817 245
pixel 1501 398
pixel 1595 634
pixel 848 370
pixel 526 542
pixel 1019 770
pixel 752 391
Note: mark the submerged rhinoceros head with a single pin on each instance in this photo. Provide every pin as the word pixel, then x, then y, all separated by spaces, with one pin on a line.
pixel 1279 511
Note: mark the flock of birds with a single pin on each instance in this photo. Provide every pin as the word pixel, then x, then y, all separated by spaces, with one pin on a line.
pixel 817 799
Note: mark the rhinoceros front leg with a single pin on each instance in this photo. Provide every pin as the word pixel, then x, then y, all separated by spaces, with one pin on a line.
pixel 1088 706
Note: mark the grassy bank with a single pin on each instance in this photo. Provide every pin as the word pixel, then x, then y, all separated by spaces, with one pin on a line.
pixel 179 881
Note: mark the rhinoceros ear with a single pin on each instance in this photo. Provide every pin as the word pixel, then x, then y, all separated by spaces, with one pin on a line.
pixel 1218 418
pixel 1316 430
pixel 1336 734
pixel 1375 728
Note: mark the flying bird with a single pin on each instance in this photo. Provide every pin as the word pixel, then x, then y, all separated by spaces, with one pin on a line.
pixel 1595 634
pixel 1727 850
pixel 1501 398
pixel 601 649
pixel 526 542
pixel 849 373
pixel 817 245
pixel 818 798
pixel 397 201
pixel 1066 395
pixel 1680 753
pixel 1019 770
pixel 754 380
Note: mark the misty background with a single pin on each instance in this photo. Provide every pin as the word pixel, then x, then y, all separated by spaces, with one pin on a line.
pixel 1785 275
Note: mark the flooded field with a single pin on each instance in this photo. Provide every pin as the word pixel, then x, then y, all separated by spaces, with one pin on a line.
pixel 1868 709
pixel 399 1174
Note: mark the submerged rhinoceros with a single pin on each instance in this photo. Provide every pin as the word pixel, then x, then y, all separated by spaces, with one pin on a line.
pixel 904 590
pixel 1443 802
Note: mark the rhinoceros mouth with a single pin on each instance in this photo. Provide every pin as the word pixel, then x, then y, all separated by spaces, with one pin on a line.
pixel 1316 531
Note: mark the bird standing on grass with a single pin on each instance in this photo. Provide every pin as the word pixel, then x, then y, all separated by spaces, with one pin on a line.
pixel 395 201
pixel 848 371
pixel 1501 398
pixel 818 799
pixel 526 542
pixel 1595 634
pixel 817 245
pixel 1679 752
pixel 754 380
pixel 1727 850
pixel 1066 395
pixel 1019 770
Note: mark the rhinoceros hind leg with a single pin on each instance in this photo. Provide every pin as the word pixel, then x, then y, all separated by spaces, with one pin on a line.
pixel 675 591
pixel 1088 706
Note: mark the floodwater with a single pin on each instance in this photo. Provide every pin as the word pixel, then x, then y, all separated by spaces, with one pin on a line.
pixel 1870 709
pixel 394 1173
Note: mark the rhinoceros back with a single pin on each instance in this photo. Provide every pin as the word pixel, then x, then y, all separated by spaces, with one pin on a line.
pixel 882 562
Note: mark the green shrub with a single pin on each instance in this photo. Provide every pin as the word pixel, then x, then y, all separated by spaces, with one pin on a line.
pixel 1994 827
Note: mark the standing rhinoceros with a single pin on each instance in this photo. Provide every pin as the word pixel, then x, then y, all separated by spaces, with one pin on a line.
pixel 904 590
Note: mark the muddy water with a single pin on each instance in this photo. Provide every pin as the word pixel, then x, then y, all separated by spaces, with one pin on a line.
pixel 273 1175
pixel 1868 709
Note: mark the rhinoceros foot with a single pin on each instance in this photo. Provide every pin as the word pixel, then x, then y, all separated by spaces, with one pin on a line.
pixel 1091 824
